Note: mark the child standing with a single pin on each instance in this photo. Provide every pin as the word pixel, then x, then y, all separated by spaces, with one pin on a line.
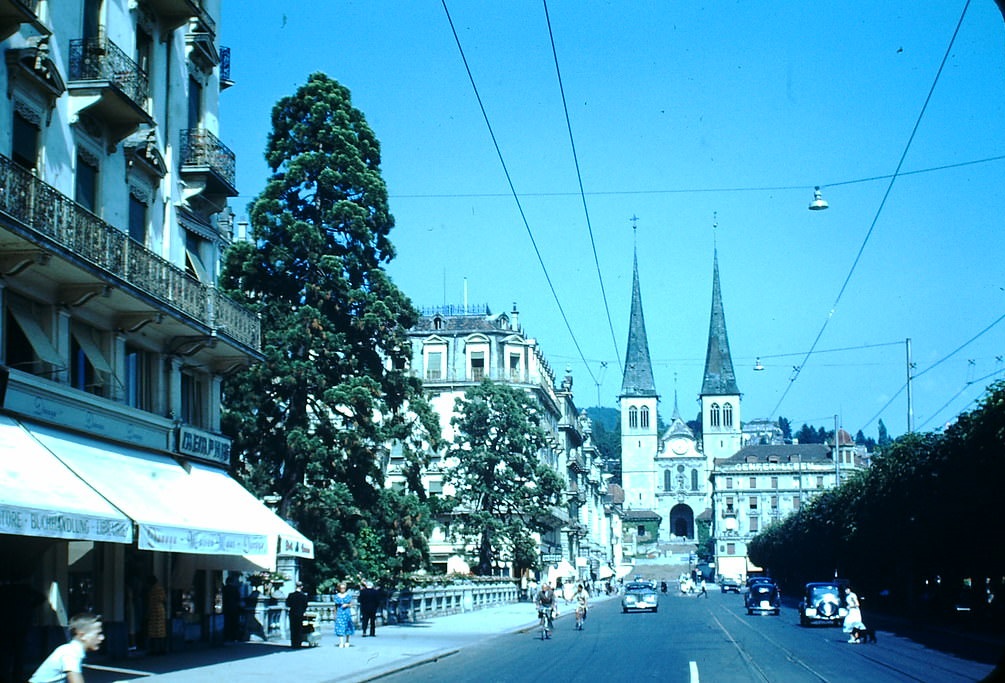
pixel 64 664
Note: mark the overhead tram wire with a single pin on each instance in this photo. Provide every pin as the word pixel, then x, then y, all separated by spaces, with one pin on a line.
pixel 704 190
pixel 935 365
pixel 513 192
pixel 879 210
pixel 582 194
pixel 689 190
pixel 966 386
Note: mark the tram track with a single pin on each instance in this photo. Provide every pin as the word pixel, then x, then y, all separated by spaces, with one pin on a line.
pixel 933 671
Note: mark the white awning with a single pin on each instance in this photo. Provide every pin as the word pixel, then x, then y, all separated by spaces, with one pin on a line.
pixel 188 509
pixel 40 496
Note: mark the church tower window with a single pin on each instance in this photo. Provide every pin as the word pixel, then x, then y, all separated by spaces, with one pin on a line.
pixel 694 480
pixel 644 417
pixel 633 417
pixel 727 414
pixel 713 415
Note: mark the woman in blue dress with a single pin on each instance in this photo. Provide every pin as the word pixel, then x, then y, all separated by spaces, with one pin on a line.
pixel 343 615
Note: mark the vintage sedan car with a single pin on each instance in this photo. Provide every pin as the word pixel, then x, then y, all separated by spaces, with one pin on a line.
pixel 640 597
pixel 763 596
pixel 823 603
pixel 729 584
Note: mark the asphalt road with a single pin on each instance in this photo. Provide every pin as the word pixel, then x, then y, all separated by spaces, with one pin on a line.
pixel 711 640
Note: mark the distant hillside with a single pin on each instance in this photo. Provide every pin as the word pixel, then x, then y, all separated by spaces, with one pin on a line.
pixel 607 417
pixel 607 438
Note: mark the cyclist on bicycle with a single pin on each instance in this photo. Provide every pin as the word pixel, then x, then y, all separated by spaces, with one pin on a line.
pixel 547 607
pixel 582 599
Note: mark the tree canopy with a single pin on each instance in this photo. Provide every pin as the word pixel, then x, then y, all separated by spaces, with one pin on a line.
pixel 313 422
pixel 918 517
pixel 503 489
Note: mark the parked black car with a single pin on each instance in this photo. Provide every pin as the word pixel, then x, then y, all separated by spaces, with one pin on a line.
pixel 763 596
pixel 823 602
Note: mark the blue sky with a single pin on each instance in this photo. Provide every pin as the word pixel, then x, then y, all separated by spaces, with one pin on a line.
pixel 683 115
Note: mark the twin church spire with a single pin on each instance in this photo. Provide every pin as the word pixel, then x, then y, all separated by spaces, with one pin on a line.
pixel 719 378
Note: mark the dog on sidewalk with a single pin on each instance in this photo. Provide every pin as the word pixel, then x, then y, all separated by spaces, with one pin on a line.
pixel 864 635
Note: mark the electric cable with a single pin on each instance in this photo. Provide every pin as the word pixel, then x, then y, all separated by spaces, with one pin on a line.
pixel 513 191
pixel 879 210
pixel 579 178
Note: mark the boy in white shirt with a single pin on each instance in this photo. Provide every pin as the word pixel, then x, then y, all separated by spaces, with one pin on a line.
pixel 64 664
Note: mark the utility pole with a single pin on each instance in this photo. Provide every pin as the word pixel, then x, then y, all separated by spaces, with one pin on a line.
pixel 910 388
pixel 837 455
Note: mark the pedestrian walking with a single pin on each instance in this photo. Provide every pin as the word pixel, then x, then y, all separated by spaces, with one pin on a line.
pixel 344 626
pixel 853 622
pixel 369 602
pixel 582 598
pixel 296 603
pixel 64 664
pixel 704 589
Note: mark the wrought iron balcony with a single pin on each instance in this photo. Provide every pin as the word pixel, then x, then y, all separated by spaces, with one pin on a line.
pixel 116 85
pixel 208 161
pixel 56 222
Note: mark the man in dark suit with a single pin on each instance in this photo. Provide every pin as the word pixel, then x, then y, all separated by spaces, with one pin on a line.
pixel 296 603
pixel 369 602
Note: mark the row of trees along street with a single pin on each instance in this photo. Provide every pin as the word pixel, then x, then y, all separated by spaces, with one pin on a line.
pixel 917 531
pixel 313 422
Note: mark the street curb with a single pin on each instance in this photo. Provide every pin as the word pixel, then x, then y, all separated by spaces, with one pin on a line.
pixel 426 659
pixel 403 666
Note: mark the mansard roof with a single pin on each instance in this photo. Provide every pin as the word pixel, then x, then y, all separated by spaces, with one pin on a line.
pixel 720 380
pixel 779 453
pixel 638 378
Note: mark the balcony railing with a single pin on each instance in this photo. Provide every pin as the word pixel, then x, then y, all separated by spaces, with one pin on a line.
pixel 200 149
pixel 99 59
pixel 46 211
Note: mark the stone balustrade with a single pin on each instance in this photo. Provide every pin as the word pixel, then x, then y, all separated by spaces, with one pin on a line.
pixel 401 606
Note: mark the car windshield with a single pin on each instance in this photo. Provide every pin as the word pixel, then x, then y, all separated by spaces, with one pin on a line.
pixel 821 592
pixel 638 586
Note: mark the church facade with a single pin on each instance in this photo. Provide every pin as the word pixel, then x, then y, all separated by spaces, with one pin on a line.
pixel 669 473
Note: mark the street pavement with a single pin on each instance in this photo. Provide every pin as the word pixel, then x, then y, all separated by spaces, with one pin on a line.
pixel 395 648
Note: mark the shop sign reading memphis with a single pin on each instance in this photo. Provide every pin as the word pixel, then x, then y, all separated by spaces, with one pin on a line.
pixel 196 443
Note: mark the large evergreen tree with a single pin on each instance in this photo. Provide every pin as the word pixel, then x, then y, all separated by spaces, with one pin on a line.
pixel 503 491
pixel 313 422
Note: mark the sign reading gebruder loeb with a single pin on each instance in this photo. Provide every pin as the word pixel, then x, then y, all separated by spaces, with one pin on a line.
pixel 196 443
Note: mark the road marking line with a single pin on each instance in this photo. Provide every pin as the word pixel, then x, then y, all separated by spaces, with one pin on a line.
pixel 694 671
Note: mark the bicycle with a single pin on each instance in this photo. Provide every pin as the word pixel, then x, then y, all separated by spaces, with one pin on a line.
pixel 547 622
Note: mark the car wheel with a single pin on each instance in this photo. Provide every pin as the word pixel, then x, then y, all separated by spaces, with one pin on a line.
pixel 624 610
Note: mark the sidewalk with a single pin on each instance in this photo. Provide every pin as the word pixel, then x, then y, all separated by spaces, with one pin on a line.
pixel 395 648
